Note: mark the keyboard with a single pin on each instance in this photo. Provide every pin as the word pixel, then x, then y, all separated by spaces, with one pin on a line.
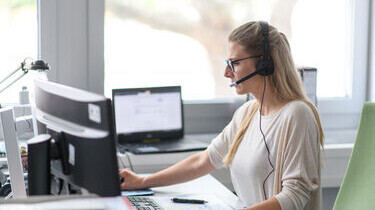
pixel 144 203
pixel 163 146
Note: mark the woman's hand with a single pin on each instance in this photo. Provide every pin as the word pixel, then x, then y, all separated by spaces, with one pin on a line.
pixel 131 181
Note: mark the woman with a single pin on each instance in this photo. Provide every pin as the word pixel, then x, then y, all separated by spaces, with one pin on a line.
pixel 272 144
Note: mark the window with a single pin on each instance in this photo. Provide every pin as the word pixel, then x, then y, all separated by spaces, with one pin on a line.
pixel 18 40
pixel 166 42
pixel 324 41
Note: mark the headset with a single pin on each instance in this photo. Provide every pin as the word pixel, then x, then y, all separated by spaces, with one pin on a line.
pixel 265 65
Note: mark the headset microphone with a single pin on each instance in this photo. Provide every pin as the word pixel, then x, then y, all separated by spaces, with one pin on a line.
pixel 243 79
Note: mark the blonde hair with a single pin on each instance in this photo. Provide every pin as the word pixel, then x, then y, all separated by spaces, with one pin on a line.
pixel 285 81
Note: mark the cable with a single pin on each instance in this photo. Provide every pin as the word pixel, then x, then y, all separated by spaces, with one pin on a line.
pixel 118 151
pixel 130 163
pixel 29 124
pixel 264 139
pixel 61 186
pixel 127 156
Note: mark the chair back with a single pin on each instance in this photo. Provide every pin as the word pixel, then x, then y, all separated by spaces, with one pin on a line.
pixel 357 190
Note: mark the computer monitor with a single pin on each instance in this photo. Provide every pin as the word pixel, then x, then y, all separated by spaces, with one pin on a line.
pixel 83 145
pixel 148 113
pixel 309 75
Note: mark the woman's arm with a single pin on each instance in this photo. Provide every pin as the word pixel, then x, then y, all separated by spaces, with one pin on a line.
pixel 270 204
pixel 188 169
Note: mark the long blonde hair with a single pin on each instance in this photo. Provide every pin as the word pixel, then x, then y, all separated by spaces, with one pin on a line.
pixel 285 81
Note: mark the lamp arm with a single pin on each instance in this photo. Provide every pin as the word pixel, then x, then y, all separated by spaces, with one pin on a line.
pixel 19 77
pixel 39 65
pixel 24 67
pixel 13 72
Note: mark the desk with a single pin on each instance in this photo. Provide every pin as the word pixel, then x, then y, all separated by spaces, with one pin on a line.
pixel 203 185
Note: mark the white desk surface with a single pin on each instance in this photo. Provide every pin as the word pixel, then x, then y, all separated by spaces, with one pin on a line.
pixel 204 185
pixel 200 188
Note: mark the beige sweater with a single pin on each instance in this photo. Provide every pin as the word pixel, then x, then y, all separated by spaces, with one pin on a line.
pixel 293 139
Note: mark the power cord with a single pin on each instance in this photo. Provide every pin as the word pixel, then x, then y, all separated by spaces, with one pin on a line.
pixel 130 163
pixel 127 156
pixel 264 139
pixel 61 186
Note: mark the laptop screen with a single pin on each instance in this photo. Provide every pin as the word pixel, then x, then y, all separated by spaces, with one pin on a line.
pixel 145 113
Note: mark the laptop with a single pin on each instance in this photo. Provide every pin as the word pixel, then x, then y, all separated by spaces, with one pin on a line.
pixel 151 120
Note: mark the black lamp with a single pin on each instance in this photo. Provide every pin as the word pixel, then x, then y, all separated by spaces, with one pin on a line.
pixel 38 65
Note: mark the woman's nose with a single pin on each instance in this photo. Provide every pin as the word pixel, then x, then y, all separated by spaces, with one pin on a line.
pixel 227 72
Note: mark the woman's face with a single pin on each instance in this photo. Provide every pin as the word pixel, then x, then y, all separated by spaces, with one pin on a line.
pixel 241 69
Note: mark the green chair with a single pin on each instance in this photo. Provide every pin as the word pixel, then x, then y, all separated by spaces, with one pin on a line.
pixel 357 190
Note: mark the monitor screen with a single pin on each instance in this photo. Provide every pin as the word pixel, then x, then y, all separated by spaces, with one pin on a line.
pixel 83 136
pixel 153 111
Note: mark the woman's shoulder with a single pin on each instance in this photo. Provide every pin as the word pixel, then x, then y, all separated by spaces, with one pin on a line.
pixel 243 110
pixel 248 104
pixel 298 109
pixel 297 105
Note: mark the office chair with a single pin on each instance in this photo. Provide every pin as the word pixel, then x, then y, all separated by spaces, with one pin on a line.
pixel 358 187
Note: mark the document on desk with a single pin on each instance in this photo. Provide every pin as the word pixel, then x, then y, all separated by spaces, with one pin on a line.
pixel 213 202
pixel 113 203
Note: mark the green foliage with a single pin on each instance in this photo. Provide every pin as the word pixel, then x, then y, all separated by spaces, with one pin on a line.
pixel 14 4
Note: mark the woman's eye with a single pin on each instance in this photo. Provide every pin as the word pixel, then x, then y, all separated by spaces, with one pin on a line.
pixel 235 63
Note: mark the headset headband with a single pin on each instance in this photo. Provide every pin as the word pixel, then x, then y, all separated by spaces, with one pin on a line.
pixel 265 31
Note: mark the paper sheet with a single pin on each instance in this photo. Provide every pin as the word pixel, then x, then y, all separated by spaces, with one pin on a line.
pixel 213 203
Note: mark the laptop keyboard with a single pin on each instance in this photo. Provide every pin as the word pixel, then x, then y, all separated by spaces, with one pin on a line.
pixel 144 203
pixel 159 144
pixel 163 146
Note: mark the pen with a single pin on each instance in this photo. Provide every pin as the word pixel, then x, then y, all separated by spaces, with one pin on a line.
pixel 183 200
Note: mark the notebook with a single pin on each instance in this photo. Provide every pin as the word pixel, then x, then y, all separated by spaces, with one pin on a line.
pixel 151 120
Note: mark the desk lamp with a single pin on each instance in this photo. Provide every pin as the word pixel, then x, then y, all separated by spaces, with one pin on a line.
pixel 38 65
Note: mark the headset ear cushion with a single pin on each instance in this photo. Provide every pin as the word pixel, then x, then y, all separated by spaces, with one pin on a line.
pixel 265 67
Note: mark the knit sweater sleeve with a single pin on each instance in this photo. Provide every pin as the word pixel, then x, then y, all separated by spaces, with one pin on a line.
pixel 300 168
